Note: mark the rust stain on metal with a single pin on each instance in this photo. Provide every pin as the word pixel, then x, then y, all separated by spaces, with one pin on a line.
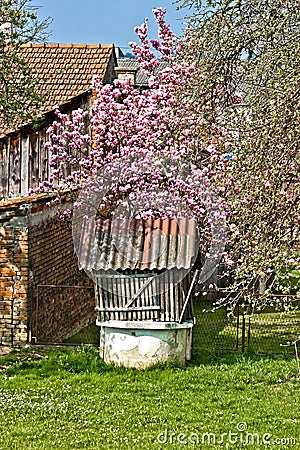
pixel 122 244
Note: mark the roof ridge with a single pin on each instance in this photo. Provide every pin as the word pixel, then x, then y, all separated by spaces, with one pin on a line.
pixel 60 45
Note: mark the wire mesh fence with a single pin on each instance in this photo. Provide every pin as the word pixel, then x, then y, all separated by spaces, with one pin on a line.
pixel 66 314
pixel 60 311
pixel 266 331
pixel 88 335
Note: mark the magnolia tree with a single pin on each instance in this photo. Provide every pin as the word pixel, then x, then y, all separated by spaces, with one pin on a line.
pixel 151 153
pixel 185 147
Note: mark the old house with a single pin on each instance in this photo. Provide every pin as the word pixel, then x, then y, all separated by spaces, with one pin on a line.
pixel 43 295
pixel 64 75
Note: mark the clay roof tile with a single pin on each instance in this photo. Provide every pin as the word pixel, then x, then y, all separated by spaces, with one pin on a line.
pixel 53 66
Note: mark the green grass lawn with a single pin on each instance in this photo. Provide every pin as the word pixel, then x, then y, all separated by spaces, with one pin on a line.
pixel 69 399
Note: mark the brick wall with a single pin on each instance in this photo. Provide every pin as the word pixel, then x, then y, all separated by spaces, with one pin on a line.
pixel 39 277
pixel 61 309
pixel 13 284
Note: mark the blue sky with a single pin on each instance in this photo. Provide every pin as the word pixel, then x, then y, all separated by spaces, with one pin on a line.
pixel 105 22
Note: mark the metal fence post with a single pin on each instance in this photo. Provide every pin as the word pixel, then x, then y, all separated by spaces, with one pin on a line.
pixel 243 331
pixel 237 326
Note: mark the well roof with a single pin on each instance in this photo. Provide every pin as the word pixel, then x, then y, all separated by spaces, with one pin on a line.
pixel 122 244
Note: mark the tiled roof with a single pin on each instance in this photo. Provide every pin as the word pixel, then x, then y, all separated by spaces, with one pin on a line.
pixel 64 71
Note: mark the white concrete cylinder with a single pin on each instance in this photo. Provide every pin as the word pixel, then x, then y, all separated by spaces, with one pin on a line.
pixel 143 344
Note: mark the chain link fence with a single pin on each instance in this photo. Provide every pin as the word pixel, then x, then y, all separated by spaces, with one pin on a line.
pixel 61 309
pixel 267 331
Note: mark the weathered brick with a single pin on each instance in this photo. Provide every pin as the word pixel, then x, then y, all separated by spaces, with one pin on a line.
pixel 6 283
pixel 42 255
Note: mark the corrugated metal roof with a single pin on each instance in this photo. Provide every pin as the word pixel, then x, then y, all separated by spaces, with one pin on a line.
pixel 122 244
pixel 141 78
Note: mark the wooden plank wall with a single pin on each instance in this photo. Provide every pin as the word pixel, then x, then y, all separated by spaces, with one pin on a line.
pixel 24 157
pixel 24 162
pixel 4 166
pixel 112 295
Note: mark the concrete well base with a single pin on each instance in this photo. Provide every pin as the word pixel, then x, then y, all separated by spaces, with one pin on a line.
pixel 142 344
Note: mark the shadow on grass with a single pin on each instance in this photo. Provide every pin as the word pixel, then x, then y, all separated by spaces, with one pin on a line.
pixel 44 363
pixel 88 335
pixel 219 357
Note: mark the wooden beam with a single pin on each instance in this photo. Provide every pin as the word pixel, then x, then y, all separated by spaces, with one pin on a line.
pixel 188 295
pixel 124 309
pixel 142 288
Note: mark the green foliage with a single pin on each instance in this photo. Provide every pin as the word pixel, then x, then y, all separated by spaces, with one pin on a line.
pixel 289 279
pixel 249 50
pixel 18 25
